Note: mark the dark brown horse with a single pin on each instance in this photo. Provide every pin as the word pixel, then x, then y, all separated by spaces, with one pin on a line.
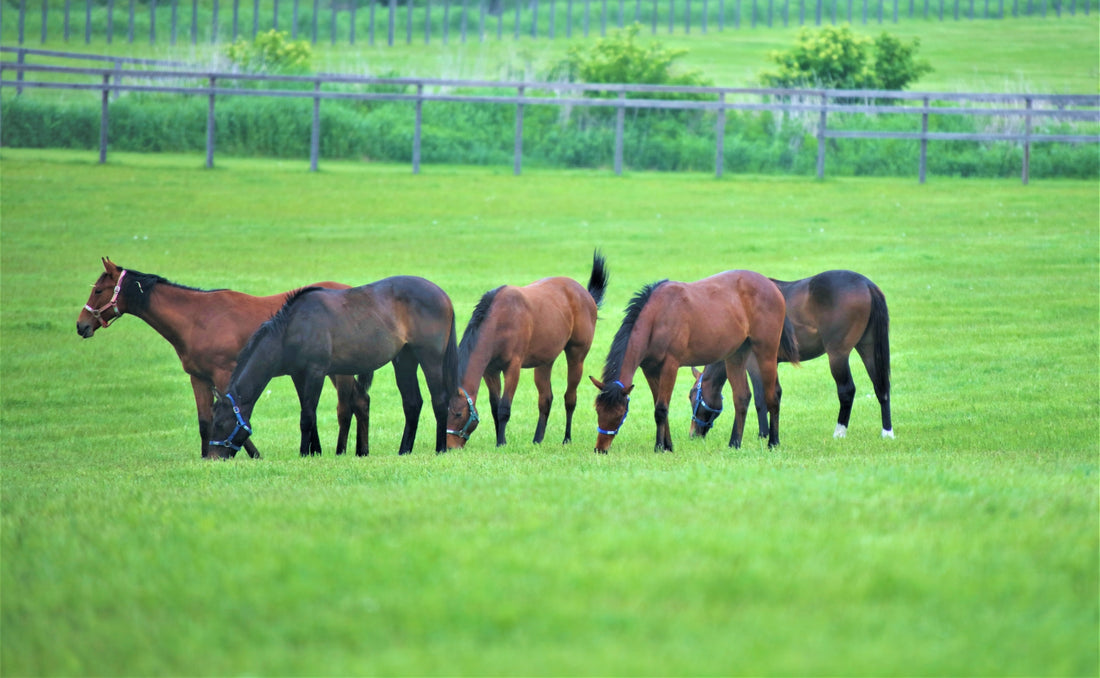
pixel 525 327
pixel 208 328
pixel 404 320
pixel 726 317
pixel 832 313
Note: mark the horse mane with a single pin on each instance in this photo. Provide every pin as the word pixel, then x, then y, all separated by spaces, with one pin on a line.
pixel 275 325
pixel 138 285
pixel 473 329
pixel 613 366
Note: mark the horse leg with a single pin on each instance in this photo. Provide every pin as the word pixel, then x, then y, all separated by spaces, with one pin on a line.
pixel 845 390
pixel 546 399
pixel 345 391
pixel 769 375
pixel 361 407
pixel 758 395
pixel 204 403
pixel 882 385
pixel 504 409
pixel 574 357
pixel 309 387
pixel 431 363
pixel 404 370
pixel 666 381
pixel 735 374
pixel 492 386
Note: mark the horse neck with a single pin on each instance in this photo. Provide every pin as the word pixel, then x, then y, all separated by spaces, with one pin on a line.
pixel 635 351
pixel 251 376
pixel 171 311
pixel 476 363
pixel 714 378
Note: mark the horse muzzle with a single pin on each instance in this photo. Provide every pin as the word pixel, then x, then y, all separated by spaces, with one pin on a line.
pixel 85 330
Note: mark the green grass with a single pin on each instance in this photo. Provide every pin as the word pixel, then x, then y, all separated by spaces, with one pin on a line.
pixel 968 545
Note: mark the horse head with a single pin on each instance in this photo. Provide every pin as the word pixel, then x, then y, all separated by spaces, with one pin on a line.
pixel 462 419
pixel 106 303
pixel 703 415
pixel 229 429
pixel 612 406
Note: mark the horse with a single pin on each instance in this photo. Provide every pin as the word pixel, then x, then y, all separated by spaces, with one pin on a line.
pixel 832 313
pixel 208 328
pixel 525 327
pixel 404 320
pixel 726 317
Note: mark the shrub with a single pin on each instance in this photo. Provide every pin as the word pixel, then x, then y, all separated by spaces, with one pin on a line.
pixel 837 58
pixel 270 52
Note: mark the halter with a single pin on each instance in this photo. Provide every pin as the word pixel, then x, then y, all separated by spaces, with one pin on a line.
pixel 614 431
pixel 700 403
pixel 471 421
pixel 97 313
pixel 241 425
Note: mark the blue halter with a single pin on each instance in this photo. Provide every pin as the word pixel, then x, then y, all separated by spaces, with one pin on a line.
pixel 621 421
pixel 700 403
pixel 242 425
pixel 470 422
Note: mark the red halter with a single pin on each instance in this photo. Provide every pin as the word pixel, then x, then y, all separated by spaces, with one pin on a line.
pixel 97 313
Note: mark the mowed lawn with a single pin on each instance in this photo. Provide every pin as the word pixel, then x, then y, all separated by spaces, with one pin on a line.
pixel 966 546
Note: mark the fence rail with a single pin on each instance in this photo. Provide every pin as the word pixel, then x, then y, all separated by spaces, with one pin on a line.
pixel 919 105
pixel 213 21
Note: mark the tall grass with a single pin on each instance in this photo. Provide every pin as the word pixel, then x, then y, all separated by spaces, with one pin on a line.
pixel 966 546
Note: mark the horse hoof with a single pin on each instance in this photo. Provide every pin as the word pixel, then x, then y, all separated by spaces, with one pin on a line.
pixel 888 433
pixel 841 431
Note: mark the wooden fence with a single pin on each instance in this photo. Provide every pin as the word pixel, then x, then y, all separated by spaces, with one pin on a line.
pixel 1027 108
pixel 213 21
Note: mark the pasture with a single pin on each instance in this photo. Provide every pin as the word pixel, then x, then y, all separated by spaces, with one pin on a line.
pixel 968 545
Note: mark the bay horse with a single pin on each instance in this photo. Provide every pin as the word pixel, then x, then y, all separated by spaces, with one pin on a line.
pixel 208 328
pixel 726 317
pixel 525 327
pixel 404 320
pixel 832 313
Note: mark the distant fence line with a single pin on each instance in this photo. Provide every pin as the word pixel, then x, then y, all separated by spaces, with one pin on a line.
pixel 819 102
pixel 170 21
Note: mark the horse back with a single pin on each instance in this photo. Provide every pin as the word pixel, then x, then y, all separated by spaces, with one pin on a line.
pixel 830 311
pixel 562 312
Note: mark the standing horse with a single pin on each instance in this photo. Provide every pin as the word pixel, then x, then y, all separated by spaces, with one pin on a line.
pixel 208 329
pixel 517 327
pixel 726 317
pixel 404 320
pixel 832 313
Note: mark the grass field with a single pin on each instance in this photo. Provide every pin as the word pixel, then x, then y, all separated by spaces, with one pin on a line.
pixel 967 546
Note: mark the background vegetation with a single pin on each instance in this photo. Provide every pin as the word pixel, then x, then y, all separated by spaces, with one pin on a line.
pixel 966 546
pixel 1045 56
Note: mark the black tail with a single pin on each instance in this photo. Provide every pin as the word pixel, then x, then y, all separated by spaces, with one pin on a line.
pixel 879 326
pixel 597 282
pixel 450 362
pixel 788 343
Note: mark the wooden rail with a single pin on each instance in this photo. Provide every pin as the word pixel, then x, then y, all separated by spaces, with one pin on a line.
pixel 821 103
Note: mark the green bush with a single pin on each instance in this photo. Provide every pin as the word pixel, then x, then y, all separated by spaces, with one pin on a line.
pixel 837 58
pixel 270 52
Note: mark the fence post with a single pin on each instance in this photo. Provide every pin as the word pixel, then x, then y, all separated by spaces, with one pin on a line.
pixel 518 152
pixel 720 133
pixel 821 137
pixel 924 141
pixel 22 19
pixel 45 5
pixel 1027 143
pixel 416 127
pixel 210 125
pixel 118 76
pixel 87 21
pixel 103 118
pixel 315 132
pixel 20 59
pixel 620 115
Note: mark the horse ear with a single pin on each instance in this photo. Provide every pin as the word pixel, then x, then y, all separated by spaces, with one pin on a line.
pixel 695 373
pixel 628 389
pixel 598 384
pixel 109 265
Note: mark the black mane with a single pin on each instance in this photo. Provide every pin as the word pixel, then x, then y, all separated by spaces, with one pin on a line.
pixel 613 366
pixel 275 325
pixel 473 329
pixel 137 286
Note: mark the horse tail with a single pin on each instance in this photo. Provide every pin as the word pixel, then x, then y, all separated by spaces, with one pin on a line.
pixel 450 361
pixel 879 327
pixel 597 282
pixel 788 343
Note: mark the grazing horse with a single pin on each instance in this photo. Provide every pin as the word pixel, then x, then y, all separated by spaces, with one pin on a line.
pixel 517 327
pixel 832 313
pixel 404 320
pixel 726 317
pixel 208 328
